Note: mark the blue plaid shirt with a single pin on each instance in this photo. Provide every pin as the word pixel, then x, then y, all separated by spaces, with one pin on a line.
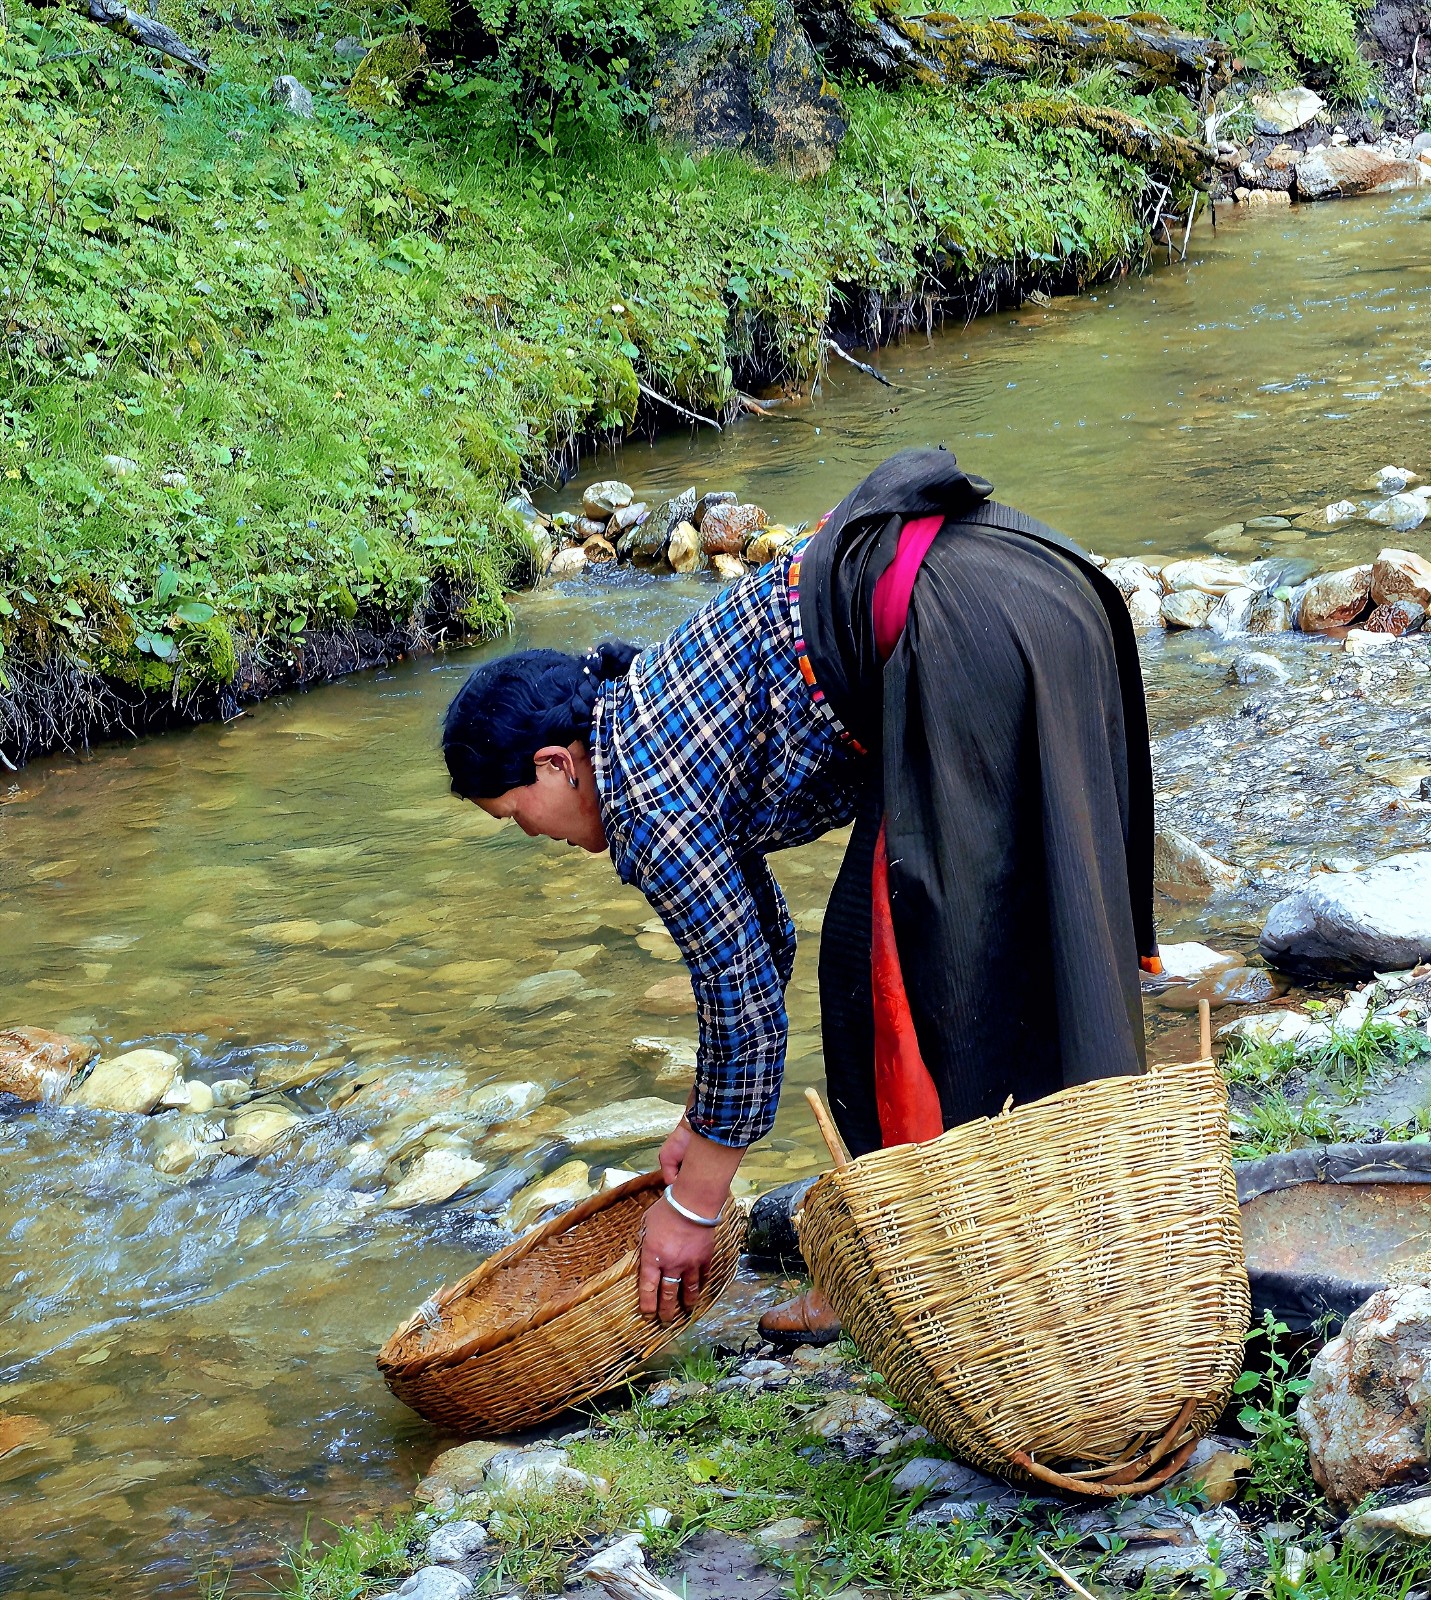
pixel 707 756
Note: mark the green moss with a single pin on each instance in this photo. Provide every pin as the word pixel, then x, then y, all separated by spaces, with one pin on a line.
pixel 208 648
pixel 386 72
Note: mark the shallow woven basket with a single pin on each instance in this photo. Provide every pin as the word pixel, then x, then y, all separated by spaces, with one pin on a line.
pixel 1058 1293
pixel 550 1321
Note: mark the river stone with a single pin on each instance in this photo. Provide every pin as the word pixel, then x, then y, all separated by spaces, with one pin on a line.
pixel 1213 575
pixel 1332 173
pixel 727 568
pixel 599 550
pixel 1178 1542
pixel 1397 618
pixel 1400 575
pixel 725 529
pixel 1402 512
pixel 503 1102
pixel 627 518
pixel 258 1129
pixel 458 1471
pixel 674 1059
pixel 767 544
pixel 1270 613
pixel 1180 862
pixel 1129 575
pixel 1257 666
pixel 684 549
pixel 1145 608
pixel 1187 608
pixel 1335 600
pixel 568 1185
pixel 134 1081
pixel 36 1064
pixel 938 1477
pixel 603 499
pixel 707 502
pixel 567 563
pixel 1367 1409
pixel 435 1176
pixel 679 508
pixel 431 1583
pixel 455 1543
pixel 538 1469
pixel 541 989
pixel 1389 1528
pixel 1354 924
pixel 638 1121
pixel 750 84
pixel 1392 480
pixel 1285 111
pixel 1231 615
pixel 291 95
pixel 858 1423
pixel 229 1091
pixel 1189 961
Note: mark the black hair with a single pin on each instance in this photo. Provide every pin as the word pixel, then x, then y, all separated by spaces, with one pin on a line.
pixel 514 706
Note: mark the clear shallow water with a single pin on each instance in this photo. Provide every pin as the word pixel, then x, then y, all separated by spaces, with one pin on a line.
pixel 298 888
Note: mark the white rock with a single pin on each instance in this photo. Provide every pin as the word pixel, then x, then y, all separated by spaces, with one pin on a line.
pixel 567 563
pixel 503 1102
pixel 174 480
pixel 135 1081
pixel 1187 608
pixel 1354 924
pixel 120 466
pixel 1388 1528
pixel 1285 111
pixel 1268 1027
pixel 455 1542
pixel 1181 862
pixel 1214 575
pixel 539 1469
pixel 1230 615
pixel 1341 511
pixel 258 1129
pixel 433 1583
pixel 675 1059
pixel 1145 607
pixel 435 1176
pixel 657 1517
pixel 1401 511
pixel 1132 576
pixel 229 1091
pixel 1392 480
pixel 638 1121
pixel 1189 961
pixel 566 1186
pixel 295 99
pixel 1257 666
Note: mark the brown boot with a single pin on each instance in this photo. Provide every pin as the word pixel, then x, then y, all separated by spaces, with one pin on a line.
pixel 808 1319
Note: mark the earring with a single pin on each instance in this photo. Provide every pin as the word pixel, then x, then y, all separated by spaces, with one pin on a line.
pixel 574 782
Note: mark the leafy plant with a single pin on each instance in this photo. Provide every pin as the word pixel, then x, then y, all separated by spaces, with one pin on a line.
pixel 1281 1474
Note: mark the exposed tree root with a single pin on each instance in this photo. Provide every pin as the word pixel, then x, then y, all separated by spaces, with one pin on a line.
pixel 146 31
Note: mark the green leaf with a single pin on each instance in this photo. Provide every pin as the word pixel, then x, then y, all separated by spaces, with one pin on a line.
pixel 298 624
pixel 1247 1382
pixel 167 585
pixel 193 611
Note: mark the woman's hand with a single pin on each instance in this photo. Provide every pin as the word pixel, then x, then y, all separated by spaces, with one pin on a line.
pixel 675 1253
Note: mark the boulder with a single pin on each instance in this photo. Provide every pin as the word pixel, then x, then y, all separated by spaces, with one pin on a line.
pixel 602 500
pixel 1130 575
pixel 1388 1529
pixel 1333 173
pixel 1354 924
pixel 1396 618
pixel 1367 1408
pixel 538 1469
pixel 1335 600
pixel 641 1121
pixel 288 93
pixel 627 517
pixel 752 84
pixel 767 544
pixel 1402 512
pixel 1285 111
pixel 585 528
pixel 725 529
pixel 772 1235
pixel 1188 608
pixel 1145 608
pixel 1400 575
pixel 455 1542
pixel 1182 863
pixel 1392 480
pixel 135 1081
pixel 1186 962
pixel 1231 615
pixel 1270 613
pixel 1214 575
pixel 684 548
pixel 646 543
pixel 716 497
pixel 36 1064
pixel 459 1471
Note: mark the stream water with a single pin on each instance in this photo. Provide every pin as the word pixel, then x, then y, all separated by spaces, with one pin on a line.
pixel 294 896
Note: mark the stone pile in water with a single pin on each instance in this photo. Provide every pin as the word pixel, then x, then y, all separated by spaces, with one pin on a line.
pixel 688 532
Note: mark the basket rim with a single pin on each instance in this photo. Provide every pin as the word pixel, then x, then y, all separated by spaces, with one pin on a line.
pixel 391 1364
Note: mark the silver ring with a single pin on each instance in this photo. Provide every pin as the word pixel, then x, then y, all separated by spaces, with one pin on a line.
pixel 665 1279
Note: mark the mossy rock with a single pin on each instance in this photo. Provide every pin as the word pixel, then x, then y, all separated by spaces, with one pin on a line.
pixel 383 75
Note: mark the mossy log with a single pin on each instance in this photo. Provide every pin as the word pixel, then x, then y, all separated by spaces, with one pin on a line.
pixel 146 31
pixel 1185 160
pixel 939 48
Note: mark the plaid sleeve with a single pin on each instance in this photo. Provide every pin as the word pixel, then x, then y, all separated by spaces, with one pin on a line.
pixel 712 904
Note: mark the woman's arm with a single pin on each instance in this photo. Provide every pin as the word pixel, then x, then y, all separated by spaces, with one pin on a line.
pixel 700 1173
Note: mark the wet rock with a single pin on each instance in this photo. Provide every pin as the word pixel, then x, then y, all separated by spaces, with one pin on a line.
pixel 435 1176
pixel 728 568
pixel 503 1102
pixel 135 1082
pixel 1336 173
pixel 36 1064
pixel 858 1423
pixel 1387 1529
pixel 1367 1407
pixel 1400 575
pixel 757 86
pixel 229 1091
pixel 708 502
pixel 1182 863
pixel 684 548
pixel 1231 615
pixel 289 94
pixel 1285 111
pixel 539 1469
pixel 1270 613
pixel 257 1129
pixel 459 1471
pixel 1187 608
pixel 455 1543
pixel 725 529
pixel 767 544
pixel 1402 512
pixel 564 1187
pixel 639 1121
pixel 186 1144
pixel 938 1477
pixel 567 563
pixel 1392 480
pixel 1131 576
pixel 674 1059
pixel 772 1235
pixel 541 989
pixel 1186 962
pixel 1256 666
pixel 1145 607
pixel 1398 618
pixel 1271 1027
pixel 1354 924
pixel 1239 986
pixel 432 1583
pixel 585 528
pixel 1213 575
pixel 1335 600
pixel 664 519
pixel 604 499
pixel 599 550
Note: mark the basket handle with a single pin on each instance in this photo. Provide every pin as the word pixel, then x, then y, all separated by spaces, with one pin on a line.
pixel 833 1143
pixel 1204 1029
pixel 1107 1491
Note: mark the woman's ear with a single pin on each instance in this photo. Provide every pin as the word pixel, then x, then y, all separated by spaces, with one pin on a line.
pixel 558 760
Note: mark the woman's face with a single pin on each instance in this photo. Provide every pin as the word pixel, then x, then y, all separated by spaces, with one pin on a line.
pixel 561 804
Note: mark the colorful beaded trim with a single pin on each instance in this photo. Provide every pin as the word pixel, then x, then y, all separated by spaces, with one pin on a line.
pixel 802 655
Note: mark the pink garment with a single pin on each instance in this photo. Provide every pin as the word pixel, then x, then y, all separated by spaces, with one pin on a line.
pixel 896 583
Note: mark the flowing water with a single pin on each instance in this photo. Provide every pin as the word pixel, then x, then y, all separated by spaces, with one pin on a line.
pixel 293 899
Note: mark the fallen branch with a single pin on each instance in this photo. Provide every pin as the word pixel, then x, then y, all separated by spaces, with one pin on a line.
pixel 620 1569
pixel 864 366
pixel 1067 1577
pixel 681 411
pixel 146 31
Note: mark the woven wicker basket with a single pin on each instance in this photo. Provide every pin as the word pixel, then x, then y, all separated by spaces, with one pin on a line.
pixel 550 1321
pixel 1058 1293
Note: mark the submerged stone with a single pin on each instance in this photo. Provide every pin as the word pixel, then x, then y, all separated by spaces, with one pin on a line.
pixel 135 1081
pixel 636 1121
pixel 260 1128
pixel 435 1176
pixel 564 1187
pixel 542 989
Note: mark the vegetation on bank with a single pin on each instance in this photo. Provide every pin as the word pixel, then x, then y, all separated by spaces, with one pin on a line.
pixel 267 376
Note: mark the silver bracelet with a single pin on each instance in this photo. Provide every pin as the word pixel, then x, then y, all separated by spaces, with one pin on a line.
pixel 690 1216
